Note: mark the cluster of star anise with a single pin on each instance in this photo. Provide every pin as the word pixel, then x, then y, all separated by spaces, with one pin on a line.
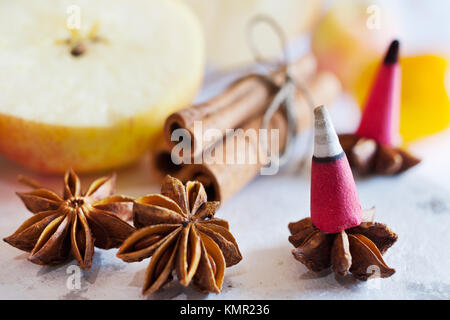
pixel 367 156
pixel 356 250
pixel 176 228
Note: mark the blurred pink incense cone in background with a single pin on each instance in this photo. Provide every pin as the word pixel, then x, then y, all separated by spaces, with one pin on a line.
pixel 380 118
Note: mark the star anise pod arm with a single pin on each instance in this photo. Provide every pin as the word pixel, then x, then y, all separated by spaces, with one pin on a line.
pixel 53 245
pixel 82 239
pixel 341 258
pixel 380 234
pixel 367 259
pixel 27 235
pixel 40 200
pixel 102 188
pixel 72 185
pixel 211 268
pixel 190 251
pixel 159 271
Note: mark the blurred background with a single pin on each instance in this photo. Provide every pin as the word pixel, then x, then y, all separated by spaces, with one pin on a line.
pixel 101 108
pixel 348 38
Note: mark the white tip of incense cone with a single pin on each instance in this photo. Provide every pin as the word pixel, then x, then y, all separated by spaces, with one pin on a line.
pixel 326 141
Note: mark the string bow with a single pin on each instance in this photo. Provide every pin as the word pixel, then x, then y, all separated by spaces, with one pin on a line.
pixel 285 93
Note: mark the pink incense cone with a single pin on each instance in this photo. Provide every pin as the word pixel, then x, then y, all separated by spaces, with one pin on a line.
pixel 334 201
pixel 380 119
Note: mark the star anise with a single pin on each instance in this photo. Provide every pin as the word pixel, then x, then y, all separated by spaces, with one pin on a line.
pixel 73 224
pixel 367 156
pixel 179 231
pixel 356 250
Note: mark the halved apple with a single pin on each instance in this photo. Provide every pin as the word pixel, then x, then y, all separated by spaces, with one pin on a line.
pixel 93 97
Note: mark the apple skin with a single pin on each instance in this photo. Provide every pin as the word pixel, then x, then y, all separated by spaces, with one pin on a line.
pixel 53 149
pixel 343 44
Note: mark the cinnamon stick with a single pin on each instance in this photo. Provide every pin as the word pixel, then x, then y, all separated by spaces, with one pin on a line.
pixel 223 180
pixel 161 162
pixel 244 100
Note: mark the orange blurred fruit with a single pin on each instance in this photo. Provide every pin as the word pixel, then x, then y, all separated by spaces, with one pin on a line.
pixel 425 103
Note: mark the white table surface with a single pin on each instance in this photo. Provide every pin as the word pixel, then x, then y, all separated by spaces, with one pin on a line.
pixel 416 205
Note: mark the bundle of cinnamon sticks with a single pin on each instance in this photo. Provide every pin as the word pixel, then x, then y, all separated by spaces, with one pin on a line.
pixel 242 105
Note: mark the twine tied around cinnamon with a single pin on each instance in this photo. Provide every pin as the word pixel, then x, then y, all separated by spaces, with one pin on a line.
pixel 285 93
